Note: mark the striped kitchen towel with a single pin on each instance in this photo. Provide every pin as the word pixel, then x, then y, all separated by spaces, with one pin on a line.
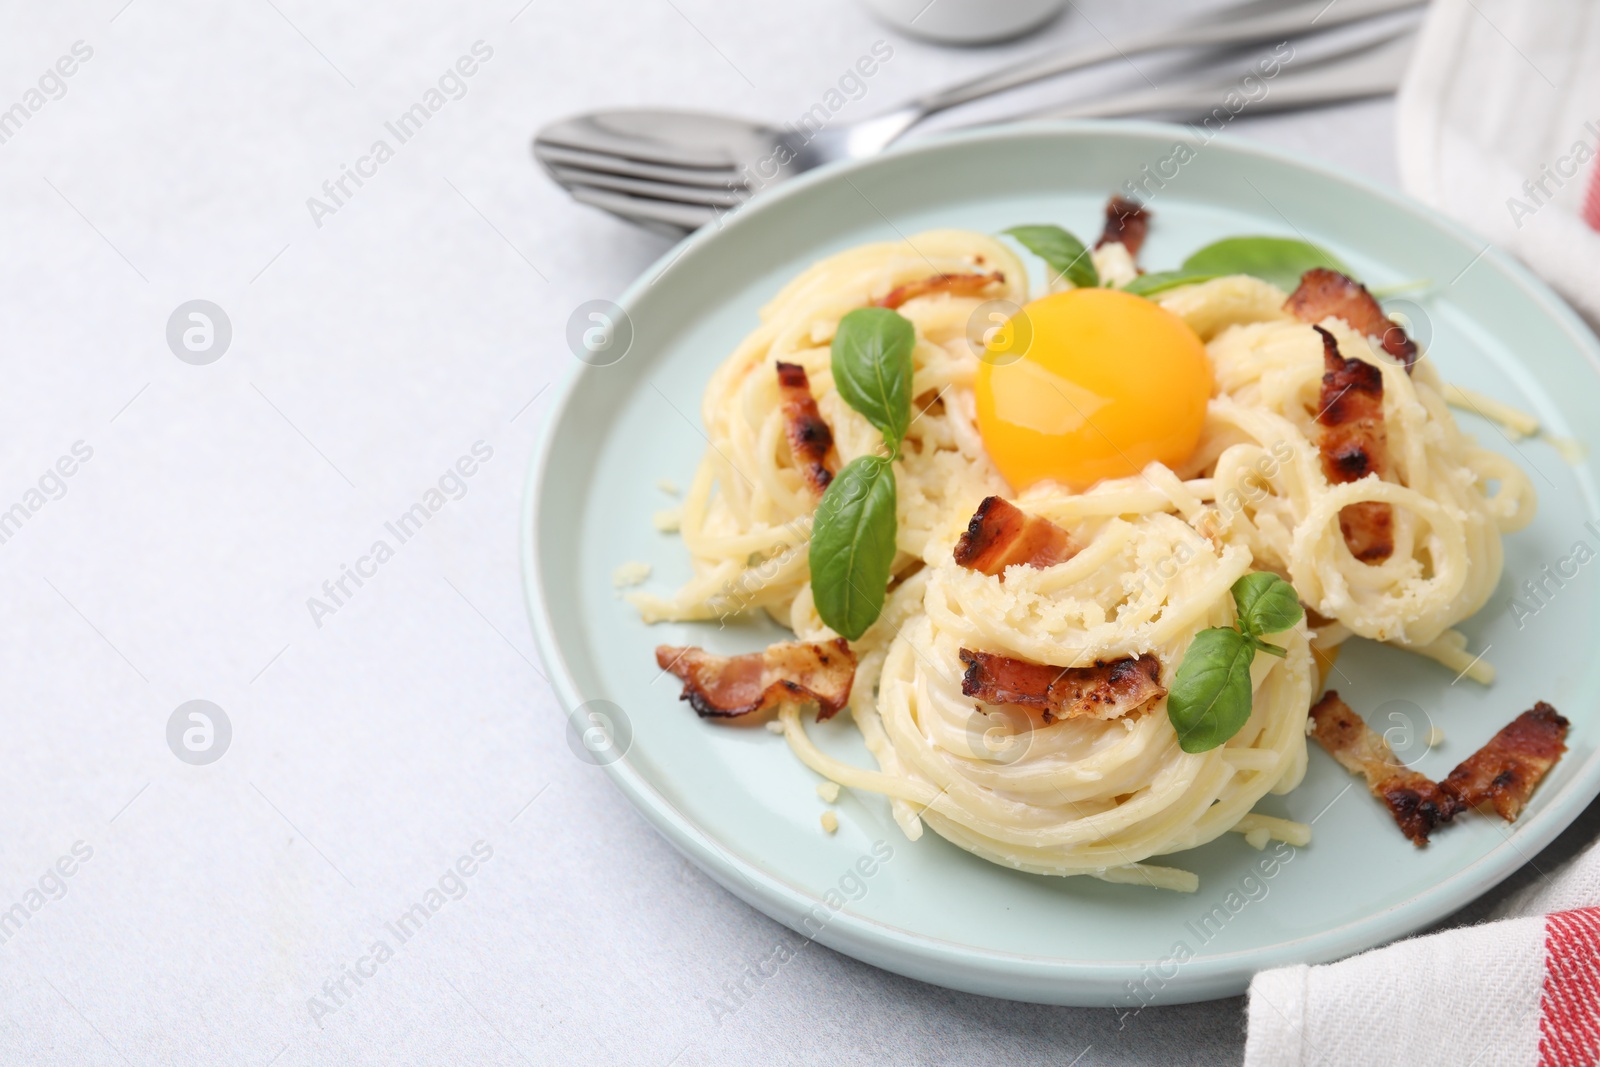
pixel 1520 989
pixel 1499 128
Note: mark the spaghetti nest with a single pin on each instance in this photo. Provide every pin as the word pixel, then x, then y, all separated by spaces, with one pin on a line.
pixel 1082 795
pixel 1256 479
pixel 747 514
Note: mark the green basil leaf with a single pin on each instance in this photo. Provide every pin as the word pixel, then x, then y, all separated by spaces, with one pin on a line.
pixel 872 368
pixel 1062 253
pixel 1267 604
pixel 1279 260
pixel 853 545
pixel 1210 697
pixel 1162 280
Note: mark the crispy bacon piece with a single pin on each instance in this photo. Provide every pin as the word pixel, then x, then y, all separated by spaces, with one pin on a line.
pixel 954 284
pixel 1324 292
pixel 1002 535
pixel 810 439
pixel 1417 803
pixel 1355 444
pixel 1501 775
pixel 790 672
pixel 1126 223
pixel 1504 773
pixel 1108 690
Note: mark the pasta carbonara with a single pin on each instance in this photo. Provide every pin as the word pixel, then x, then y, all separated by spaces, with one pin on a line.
pixel 1155 555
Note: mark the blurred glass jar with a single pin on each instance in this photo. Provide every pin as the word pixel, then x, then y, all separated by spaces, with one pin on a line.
pixel 966 21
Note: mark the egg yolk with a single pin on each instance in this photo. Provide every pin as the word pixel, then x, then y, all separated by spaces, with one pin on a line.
pixel 1090 384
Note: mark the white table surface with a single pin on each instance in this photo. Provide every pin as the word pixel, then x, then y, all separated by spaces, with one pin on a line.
pixel 371 751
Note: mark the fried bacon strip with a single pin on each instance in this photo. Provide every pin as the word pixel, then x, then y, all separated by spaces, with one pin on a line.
pixel 1504 773
pixel 810 439
pixel 1324 292
pixel 1501 775
pixel 1355 444
pixel 954 284
pixel 1126 223
pixel 1417 803
pixel 1108 690
pixel 1002 535
pixel 790 672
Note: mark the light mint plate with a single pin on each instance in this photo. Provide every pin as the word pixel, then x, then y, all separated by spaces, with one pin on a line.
pixel 739 805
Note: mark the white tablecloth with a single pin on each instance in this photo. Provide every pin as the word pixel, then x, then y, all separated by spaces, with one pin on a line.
pixel 397 772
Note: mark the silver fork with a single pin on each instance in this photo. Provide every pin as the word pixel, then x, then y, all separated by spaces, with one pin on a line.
pixel 674 171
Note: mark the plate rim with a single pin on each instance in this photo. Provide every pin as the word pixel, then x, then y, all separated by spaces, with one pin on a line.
pixel 991 972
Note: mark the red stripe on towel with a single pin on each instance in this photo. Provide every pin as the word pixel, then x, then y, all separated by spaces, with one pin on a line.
pixel 1569 1008
pixel 1591 200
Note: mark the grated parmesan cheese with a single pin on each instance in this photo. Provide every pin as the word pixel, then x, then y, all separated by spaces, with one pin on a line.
pixel 828 791
pixel 630 573
pixel 668 520
pixel 830 821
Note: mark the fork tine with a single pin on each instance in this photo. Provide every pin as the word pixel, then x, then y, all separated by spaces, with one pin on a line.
pixel 659 215
pixel 554 156
pixel 653 190
pixel 656 137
